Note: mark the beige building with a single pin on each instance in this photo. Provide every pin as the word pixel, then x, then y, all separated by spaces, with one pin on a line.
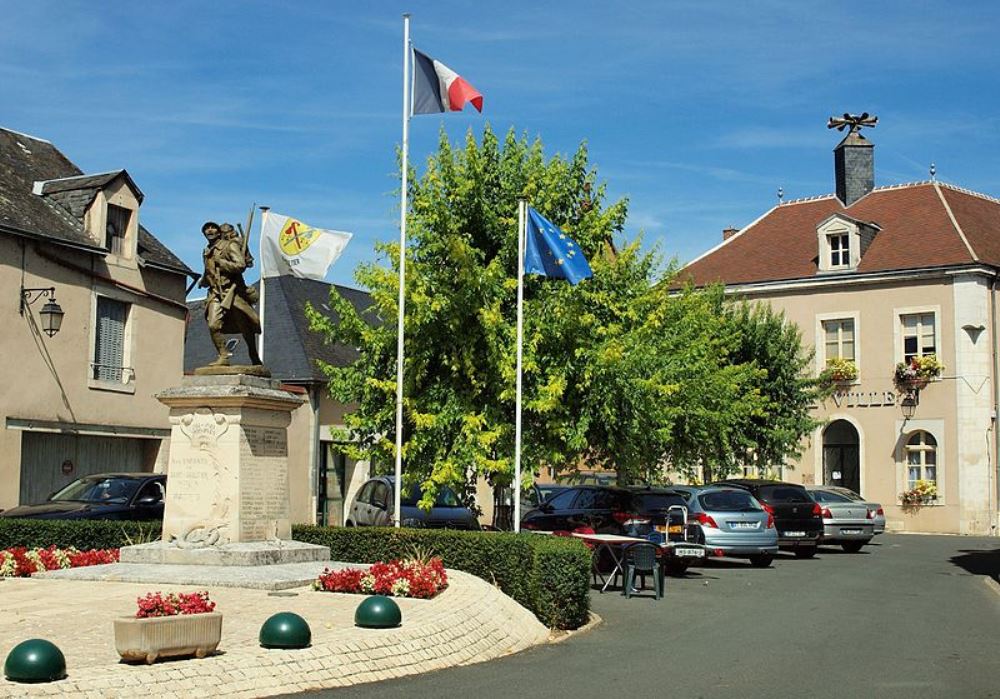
pixel 81 400
pixel 878 276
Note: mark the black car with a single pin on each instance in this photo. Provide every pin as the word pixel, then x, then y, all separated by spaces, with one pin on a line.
pixel 374 505
pixel 133 496
pixel 798 518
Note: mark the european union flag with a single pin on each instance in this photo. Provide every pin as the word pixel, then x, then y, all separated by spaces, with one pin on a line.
pixel 552 253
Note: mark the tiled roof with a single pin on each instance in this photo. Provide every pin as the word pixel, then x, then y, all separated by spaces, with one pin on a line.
pixel 64 193
pixel 916 224
pixel 290 347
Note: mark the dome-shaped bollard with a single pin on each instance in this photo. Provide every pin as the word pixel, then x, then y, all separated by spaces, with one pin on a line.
pixel 378 612
pixel 35 660
pixel 285 630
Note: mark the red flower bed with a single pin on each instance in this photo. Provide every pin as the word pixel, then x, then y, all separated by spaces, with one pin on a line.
pixel 173 603
pixel 399 578
pixel 22 562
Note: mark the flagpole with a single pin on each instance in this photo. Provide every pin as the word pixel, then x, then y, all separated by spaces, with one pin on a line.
pixel 402 272
pixel 263 285
pixel 522 205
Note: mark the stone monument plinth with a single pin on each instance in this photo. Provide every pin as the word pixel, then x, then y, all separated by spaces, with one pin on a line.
pixel 227 476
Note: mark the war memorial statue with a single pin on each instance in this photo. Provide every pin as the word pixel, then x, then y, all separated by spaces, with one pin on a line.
pixel 229 304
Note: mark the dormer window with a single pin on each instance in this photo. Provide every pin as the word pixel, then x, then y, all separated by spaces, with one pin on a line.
pixel 840 250
pixel 116 229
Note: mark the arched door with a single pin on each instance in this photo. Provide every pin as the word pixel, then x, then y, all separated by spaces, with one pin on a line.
pixel 841 458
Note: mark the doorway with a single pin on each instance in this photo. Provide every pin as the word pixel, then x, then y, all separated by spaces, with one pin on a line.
pixel 841 456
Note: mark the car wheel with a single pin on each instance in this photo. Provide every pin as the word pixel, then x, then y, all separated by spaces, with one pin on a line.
pixel 677 568
pixel 761 561
pixel 853 546
pixel 805 552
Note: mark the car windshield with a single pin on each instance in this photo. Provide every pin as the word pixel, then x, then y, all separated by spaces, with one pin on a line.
pixel 445 497
pixel 728 501
pixel 115 491
pixel 829 496
pixel 651 502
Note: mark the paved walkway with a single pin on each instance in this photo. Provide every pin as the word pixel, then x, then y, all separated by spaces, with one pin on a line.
pixel 470 622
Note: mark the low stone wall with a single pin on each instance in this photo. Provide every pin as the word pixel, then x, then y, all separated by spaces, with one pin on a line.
pixel 469 622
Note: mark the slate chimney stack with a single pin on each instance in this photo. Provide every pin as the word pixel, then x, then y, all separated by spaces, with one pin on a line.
pixel 854 167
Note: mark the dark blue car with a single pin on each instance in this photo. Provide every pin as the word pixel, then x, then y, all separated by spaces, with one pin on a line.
pixel 373 507
pixel 135 496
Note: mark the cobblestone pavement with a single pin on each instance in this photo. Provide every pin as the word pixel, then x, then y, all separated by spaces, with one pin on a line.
pixel 470 622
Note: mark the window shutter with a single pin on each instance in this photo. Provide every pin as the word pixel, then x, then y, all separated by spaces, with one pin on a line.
pixel 109 350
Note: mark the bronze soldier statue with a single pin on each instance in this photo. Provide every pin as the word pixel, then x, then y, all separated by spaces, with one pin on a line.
pixel 229 305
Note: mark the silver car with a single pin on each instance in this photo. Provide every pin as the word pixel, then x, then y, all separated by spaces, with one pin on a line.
pixel 732 523
pixel 849 523
pixel 878 514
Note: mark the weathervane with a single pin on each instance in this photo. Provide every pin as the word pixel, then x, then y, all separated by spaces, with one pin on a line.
pixel 855 121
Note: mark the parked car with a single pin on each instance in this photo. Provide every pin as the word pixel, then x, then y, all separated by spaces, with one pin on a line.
pixel 731 522
pixel 847 522
pixel 374 507
pixel 135 496
pixel 878 514
pixel 628 512
pixel 797 517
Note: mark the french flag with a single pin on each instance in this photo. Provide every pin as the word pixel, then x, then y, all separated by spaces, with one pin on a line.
pixel 437 88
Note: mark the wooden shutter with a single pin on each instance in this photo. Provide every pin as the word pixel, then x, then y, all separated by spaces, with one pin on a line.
pixel 109 349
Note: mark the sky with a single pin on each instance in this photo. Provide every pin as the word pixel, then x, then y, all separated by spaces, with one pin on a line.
pixel 696 112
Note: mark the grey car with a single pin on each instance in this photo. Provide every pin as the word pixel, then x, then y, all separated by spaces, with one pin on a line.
pixel 373 507
pixel 847 522
pixel 878 514
pixel 733 523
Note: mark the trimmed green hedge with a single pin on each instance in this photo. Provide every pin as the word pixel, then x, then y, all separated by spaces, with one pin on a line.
pixel 83 534
pixel 548 575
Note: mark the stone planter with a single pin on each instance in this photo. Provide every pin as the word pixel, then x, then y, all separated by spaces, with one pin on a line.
pixel 167 636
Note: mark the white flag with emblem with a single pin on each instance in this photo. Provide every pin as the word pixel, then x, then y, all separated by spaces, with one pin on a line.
pixel 289 246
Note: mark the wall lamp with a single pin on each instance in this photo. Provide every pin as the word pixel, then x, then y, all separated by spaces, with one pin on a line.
pixel 51 314
pixel 909 404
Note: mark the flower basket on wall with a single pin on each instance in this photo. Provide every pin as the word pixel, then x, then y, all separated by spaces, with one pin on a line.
pixel 922 493
pixel 169 626
pixel 917 373
pixel 839 372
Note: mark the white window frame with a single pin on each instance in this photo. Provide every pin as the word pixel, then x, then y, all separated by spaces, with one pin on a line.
pixel 897 329
pixel 844 253
pixel 820 341
pixel 905 429
pixel 838 227
pixel 127 384
pixel 922 450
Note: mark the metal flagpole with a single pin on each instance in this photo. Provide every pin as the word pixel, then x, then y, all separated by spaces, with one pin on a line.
pixel 402 271
pixel 522 206
pixel 263 284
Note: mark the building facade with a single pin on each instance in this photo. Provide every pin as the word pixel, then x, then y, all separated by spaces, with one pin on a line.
pixel 81 400
pixel 878 277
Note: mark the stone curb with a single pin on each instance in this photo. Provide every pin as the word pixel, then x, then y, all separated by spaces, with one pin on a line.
pixel 593 622
pixel 992 584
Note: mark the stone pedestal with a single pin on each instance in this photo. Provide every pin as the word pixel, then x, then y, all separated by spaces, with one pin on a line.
pixel 227 479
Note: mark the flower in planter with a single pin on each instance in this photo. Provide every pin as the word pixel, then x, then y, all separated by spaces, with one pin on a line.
pixel 398 578
pixel 172 604
pixel 839 371
pixel 921 493
pixel 919 370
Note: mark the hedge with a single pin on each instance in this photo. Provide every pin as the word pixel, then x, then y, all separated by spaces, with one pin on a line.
pixel 83 534
pixel 548 575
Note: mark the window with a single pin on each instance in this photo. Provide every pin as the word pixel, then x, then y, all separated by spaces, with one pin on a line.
pixel 365 496
pixel 380 497
pixel 562 501
pixel 918 335
pixel 839 338
pixel 729 501
pixel 921 459
pixel 109 344
pixel 117 227
pixel 840 250
pixel 784 494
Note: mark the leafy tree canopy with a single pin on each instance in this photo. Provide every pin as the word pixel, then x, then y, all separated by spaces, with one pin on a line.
pixel 622 371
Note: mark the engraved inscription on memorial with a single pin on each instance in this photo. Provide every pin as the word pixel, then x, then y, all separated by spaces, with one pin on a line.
pixel 264 484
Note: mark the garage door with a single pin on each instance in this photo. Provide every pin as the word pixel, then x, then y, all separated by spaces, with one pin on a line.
pixel 43 455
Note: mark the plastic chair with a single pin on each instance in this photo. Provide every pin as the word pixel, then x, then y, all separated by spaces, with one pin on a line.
pixel 642 559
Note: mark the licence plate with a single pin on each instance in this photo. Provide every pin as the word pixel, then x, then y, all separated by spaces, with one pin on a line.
pixel 795 533
pixel 850 531
pixel 743 525
pixel 686 552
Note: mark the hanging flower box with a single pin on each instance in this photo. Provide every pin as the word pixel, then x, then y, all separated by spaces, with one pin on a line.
pixel 917 373
pixel 169 626
pixel 922 493
pixel 839 372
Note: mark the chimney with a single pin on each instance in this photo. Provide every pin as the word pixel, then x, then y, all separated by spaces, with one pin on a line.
pixel 728 233
pixel 854 167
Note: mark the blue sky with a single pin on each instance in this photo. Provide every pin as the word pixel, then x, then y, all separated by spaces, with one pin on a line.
pixel 696 111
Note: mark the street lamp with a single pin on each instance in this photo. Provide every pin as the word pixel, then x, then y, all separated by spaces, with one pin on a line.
pixel 51 314
pixel 909 403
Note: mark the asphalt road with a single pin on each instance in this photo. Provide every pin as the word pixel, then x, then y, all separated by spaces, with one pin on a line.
pixel 910 616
